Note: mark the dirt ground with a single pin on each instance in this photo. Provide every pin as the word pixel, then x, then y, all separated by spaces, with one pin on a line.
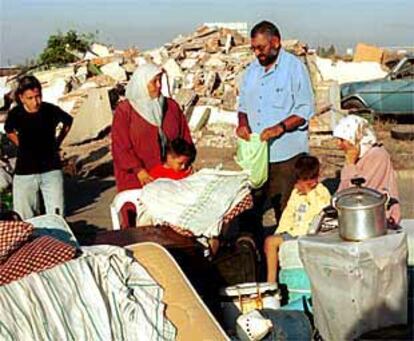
pixel 89 193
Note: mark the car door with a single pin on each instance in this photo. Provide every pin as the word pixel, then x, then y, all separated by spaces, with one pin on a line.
pixel 397 93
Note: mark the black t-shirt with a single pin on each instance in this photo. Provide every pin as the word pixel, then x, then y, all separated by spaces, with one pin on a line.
pixel 38 150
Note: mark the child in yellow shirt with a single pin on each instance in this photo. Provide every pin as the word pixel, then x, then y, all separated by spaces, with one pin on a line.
pixel 306 201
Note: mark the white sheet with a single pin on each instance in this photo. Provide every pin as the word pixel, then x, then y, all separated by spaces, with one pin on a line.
pixel 197 203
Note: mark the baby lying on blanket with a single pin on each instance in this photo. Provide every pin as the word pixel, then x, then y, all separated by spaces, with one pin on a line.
pixel 197 204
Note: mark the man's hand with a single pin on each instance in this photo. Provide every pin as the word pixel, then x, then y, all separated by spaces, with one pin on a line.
pixel 351 155
pixel 271 133
pixel 14 138
pixel 243 132
pixel 144 178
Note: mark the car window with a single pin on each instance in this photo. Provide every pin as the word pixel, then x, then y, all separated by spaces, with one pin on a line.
pixel 406 71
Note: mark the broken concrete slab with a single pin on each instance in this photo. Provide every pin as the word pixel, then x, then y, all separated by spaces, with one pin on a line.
pixel 54 90
pixel 48 76
pixel 211 83
pixel 4 89
pixel 212 45
pixel 228 43
pixel 100 50
pixel 94 115
pixel 189 81
pixel 344 72
pixel 175 75
pixel 229 97
pixel 223 117
pixel 199 118
pixel 214 102
pixel 189 63
pixel 115 71
pixel 173 69
pixel 215 61
pixel 216 135
pixel 216 116
pixel 158 56
pixel 186 98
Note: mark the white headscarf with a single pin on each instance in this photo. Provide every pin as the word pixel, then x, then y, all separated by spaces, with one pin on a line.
pixel 137 94
pixel 356 130
pixel 150 109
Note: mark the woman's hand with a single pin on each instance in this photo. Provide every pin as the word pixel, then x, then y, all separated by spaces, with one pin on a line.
pixel 144 178
pixel 351 154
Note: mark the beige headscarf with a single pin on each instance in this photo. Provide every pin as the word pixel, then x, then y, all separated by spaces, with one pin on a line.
pixel 356 130
pixel 150 109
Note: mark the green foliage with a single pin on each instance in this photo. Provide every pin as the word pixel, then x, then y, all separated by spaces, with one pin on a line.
pixel 63 48
pixel 326 52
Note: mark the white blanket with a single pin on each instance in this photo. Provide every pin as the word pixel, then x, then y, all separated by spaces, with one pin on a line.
pixel 103 295
pixel 197 203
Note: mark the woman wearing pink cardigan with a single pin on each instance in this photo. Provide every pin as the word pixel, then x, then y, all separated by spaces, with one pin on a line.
pixel 366 158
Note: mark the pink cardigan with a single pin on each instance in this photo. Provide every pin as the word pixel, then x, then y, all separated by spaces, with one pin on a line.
pixel 376 168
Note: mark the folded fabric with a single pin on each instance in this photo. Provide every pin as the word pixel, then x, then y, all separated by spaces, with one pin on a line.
pixel 12 235
pixel 39 254
pixel 197 203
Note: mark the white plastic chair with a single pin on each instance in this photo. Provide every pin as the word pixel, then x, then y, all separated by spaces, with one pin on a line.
pixel 130 195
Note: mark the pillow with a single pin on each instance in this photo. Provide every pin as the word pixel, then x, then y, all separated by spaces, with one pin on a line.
pixel 12 235
pixel 37 255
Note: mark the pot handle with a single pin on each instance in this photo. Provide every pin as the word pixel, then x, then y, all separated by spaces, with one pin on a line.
pixel 358 182
pixel 387 201
pixel 334 200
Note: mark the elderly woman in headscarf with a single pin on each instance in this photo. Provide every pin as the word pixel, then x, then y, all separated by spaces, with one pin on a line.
pixel 141 128
pixel 366 158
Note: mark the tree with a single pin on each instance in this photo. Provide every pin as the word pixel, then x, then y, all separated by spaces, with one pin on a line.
pixel 331 51
pixel 326 52
pixel 62 48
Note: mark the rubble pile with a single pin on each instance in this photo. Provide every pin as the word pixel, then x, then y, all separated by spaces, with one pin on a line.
pixel 206 66
pixel 204 69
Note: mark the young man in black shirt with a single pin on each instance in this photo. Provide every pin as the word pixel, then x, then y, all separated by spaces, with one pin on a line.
pixel 32 126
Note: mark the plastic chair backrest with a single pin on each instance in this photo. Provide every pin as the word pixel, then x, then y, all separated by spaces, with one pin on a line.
pixel 130 195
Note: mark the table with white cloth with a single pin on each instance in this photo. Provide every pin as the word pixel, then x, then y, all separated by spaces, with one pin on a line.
pixel 356 286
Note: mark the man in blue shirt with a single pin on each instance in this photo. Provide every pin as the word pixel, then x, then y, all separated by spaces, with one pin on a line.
pixel 276 101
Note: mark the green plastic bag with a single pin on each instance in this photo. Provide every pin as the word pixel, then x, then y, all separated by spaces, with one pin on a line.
pixel 253 156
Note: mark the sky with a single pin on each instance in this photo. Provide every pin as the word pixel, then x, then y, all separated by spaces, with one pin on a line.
pixel 25 25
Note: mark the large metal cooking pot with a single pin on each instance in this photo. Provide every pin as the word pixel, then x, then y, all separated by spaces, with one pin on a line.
pixel 361 212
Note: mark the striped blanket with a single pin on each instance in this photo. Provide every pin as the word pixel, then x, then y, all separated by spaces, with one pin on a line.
pixel 102 295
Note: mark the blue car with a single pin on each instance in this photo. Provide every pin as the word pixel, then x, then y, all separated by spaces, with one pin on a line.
pixel 393 94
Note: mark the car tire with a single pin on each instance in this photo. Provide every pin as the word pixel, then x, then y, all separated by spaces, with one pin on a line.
pixel 403 132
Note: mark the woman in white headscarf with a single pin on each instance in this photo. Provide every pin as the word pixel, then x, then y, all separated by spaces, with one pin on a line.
pixel 366 158
pixel 141 127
